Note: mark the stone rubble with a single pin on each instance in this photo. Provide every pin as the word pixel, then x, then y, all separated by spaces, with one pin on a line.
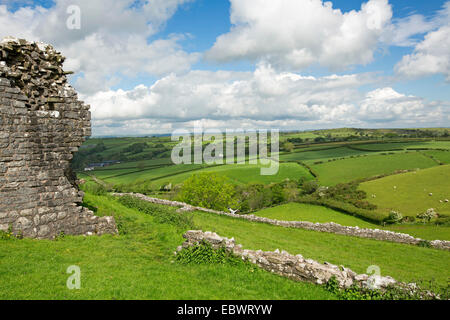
pixel 331 227
pixel 42 123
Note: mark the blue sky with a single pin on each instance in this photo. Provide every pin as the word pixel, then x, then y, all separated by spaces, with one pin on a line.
pixel 150 66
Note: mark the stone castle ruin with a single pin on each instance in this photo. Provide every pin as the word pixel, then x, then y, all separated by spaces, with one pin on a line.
pixel 42 124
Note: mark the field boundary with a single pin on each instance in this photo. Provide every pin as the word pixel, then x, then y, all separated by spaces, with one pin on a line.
pixel 376 234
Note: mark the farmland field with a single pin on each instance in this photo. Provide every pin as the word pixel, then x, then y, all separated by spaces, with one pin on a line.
pixel 225 150
pixel 145 167
pixel 134 175
pixel 405 145
pixel 320 214
pixel 347 170
pixel 409 193
pixel 311 156
pixel 311 213
pixel 404 262
pixel 442 156
pixel 239 174
pixel 138 265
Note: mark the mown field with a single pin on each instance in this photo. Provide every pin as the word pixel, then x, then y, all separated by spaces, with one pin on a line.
pixel 347 170
pixel 409 193
pixel 313 155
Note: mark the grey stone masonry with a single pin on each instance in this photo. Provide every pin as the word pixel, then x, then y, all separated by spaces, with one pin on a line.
pixel 377 234
pixel 42 123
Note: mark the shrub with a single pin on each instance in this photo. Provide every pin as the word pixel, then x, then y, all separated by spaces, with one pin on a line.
pixel 208 190
pixel 203 253
pixel 424 244
pixel 7 235
pixel 161 213
pixel 368 215
pixel 288 147
pixel 393 292
pixel 443 220
pixel 310 187
pixel 428 215
pixel 394 217
pixel 95 189
pixel 346 192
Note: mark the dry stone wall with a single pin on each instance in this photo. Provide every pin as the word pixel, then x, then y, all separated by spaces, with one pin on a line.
pixel 377 234
pixel 42 123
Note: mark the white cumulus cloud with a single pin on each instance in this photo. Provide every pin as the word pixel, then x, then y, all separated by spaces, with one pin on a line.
pixel 298 33
pixel 259 99
pixel 112 42
pixel 432 55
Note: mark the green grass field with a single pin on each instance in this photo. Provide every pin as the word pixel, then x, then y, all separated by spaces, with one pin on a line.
pixel 403 262
pixel 314 155
pixel 136 175
pixel 137 265
pixel 176 174
pixel 313 213
pixel 332 173
pixel 442 156
pixel 405 145
pixel 411 195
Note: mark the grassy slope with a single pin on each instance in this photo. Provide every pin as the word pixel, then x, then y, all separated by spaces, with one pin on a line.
pixel 312 213
pixel 133 266
pixel 335 172
pixel 411 196
pixel 133 175
pixel 403 262
pixel 442 156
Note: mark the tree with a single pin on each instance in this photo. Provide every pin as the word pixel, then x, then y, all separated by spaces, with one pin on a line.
pixel 319 139
pixel 288 147
pixel 141 165
pixel 135 148
pixel 208 190
pixel 310 186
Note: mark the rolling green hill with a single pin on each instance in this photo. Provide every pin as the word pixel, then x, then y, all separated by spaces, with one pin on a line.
pixel 347 170
pixel 409 193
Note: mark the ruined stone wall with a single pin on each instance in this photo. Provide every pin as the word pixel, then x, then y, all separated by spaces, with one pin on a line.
pixel 42 124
